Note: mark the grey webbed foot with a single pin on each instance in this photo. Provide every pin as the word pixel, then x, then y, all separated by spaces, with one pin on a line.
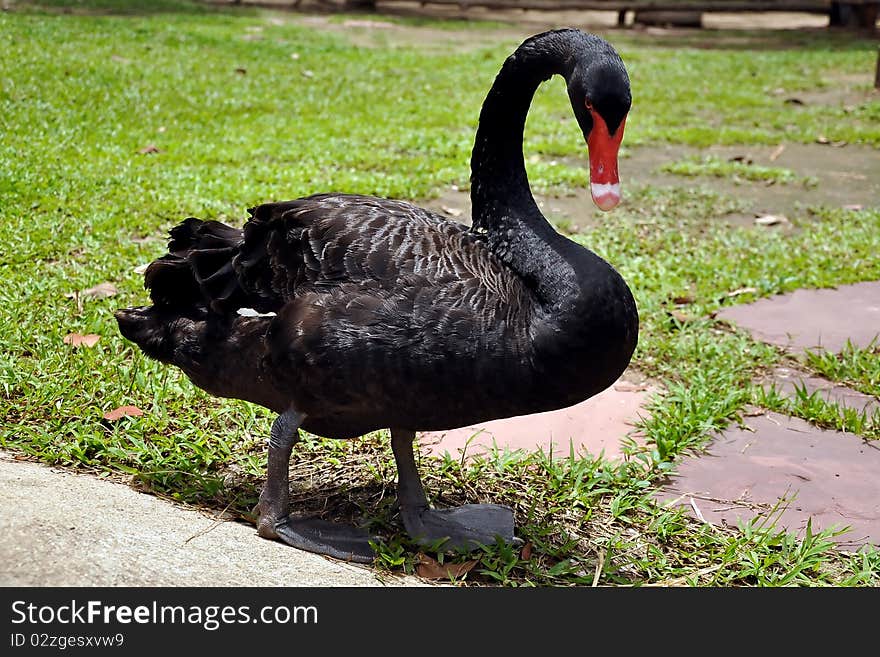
pixel 323 537
pixel 464 527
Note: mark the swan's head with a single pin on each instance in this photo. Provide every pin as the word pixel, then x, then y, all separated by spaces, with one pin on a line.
pixel 601 99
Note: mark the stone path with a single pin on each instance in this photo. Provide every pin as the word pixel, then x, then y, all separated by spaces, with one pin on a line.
pixel 63 529
pixel 595 426
pixel 828 476
pixel 811 319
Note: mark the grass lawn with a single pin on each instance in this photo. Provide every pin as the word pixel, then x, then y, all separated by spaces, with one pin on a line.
pixel 117 125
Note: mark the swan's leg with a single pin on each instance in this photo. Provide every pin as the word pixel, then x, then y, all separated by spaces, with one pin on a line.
pixel 311 534
pixel 465 527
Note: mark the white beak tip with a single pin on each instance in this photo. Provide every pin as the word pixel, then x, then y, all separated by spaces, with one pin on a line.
pixel 605 195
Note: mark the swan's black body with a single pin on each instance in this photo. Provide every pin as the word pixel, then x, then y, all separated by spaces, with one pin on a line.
pixel 387 315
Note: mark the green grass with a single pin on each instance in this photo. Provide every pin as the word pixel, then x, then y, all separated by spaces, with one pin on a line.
pixel 238 121
pixel 711 165
pixel 859 368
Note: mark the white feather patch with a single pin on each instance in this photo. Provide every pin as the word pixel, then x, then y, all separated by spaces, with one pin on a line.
pixel 250 312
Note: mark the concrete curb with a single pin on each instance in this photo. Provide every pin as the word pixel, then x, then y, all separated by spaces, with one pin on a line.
pixel 59 528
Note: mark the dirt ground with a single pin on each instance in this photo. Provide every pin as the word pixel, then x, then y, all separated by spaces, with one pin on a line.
pixel 845 176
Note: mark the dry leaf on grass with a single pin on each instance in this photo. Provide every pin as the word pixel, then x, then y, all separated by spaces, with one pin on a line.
pixel 79 340
pixel 626 386
pixel 430 568
pixel 100 291
pixel 771 220
pixel 680 317
pixel 526 553
pixel 742 290
pixel 121 412
pixel 149 148
pixel 777 152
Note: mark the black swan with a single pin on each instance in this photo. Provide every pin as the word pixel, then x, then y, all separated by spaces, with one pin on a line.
pixel 346 314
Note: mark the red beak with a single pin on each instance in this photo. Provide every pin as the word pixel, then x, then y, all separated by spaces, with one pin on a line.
pixel 603 147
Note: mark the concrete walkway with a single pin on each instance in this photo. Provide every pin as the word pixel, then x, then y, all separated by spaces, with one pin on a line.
pixel 63 529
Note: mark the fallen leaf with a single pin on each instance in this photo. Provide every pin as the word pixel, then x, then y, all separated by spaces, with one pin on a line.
pixel 78 340
pixel 771 220
pixel 625 386
pixel 308 74
pixel 121 60
pixel 121 412
pixel 777 152
pixel 149 148
pixel 742 290
pixel 855 207
pixel 741 158
pixel 794 101
pixel 822 139
pixel 683 299
pixel 452 212
pixel 294 55
pixel 240 70
pixel 101 291
pixel 682 318
pixel 526 553
pixel 430 568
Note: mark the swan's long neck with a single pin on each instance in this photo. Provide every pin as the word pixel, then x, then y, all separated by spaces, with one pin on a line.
pixel 587 318
pixel 502 200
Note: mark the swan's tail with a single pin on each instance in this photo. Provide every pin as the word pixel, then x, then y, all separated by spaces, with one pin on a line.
pixel 221 354
pixel 193 280
pixel 166 334
pixel 198 268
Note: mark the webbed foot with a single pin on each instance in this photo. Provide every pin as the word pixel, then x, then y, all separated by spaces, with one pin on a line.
pixel 323 537
pixel 464 527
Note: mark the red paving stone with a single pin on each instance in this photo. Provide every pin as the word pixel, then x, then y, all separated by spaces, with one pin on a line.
pixel 595 425
pixel 810 319
pixel 833 478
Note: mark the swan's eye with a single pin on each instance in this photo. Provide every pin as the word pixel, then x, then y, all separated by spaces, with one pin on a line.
pixel 589 105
